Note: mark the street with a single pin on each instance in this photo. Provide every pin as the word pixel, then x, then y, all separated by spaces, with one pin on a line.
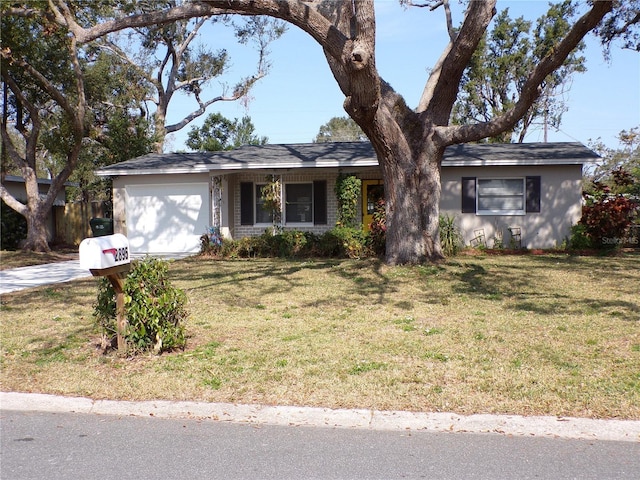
pixel 36 445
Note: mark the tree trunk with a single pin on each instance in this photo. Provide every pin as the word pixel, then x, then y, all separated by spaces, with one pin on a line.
pixel 37 231
pixel 160 130
pixel 412 195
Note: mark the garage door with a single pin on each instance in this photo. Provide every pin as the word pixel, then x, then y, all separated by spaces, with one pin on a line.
pixel 167 219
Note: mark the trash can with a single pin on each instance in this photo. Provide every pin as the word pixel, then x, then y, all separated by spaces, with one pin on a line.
pixel 101 226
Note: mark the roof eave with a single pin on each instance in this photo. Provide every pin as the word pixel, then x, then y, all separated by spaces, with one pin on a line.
pixel 517 163
pixel 236 167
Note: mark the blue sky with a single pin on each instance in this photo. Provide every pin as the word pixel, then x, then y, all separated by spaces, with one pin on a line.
pixel 300 94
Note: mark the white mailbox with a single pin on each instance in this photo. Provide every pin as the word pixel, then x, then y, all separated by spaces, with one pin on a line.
pixel 101 253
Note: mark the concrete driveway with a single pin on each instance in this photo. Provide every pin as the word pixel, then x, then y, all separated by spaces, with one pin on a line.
pixel 27 277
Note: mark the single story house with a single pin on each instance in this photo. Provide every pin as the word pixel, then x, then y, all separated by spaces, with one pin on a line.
pixel 528 193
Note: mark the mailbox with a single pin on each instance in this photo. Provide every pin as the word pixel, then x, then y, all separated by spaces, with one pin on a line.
pixel 102 253
pixel 108 256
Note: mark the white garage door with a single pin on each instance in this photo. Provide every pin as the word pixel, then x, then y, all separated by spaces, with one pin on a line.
pixel 167 219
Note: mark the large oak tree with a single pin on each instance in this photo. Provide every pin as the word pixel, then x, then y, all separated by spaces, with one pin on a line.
pixel 409 141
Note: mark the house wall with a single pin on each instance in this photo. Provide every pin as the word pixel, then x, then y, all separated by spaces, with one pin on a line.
pixel 560 205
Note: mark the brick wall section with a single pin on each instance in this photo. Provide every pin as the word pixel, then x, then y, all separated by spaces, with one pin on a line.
pixel 332 203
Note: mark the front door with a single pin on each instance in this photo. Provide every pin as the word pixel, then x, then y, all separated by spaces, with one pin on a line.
pixel 372 192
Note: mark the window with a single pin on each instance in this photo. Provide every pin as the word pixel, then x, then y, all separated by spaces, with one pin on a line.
pixel 298 203
pixel 303 203
pixel 262 214
pixel 501 196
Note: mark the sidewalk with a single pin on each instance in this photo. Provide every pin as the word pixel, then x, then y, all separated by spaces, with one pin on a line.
pixel 28 277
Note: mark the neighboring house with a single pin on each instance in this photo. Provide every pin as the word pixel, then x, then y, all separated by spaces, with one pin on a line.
pixel 165 202
pixel 16 187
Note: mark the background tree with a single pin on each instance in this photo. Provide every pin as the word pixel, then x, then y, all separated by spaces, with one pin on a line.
pixel 409 141
pixel 492 81
pixel 340 129
pixel 44 101
pixel 219 133
pixel 171 63
pixel 621 28
pixel 619 169
pixel 120 128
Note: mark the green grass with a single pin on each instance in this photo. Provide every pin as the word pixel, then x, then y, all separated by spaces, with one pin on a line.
pixel 535 334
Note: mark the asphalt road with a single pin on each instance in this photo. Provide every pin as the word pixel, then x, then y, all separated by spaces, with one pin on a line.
pixel 57 445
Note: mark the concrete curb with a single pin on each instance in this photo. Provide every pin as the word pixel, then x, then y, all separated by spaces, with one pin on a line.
pixel 515 425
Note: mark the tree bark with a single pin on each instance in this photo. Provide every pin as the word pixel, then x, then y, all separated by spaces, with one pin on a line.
pixel 37 240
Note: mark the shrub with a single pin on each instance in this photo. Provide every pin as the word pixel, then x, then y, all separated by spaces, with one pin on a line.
pixel 155 310
pixel 606 217
pixel 347 192
pixel 450 237
pixel 211 242
pixel 345 242
pixel 579 240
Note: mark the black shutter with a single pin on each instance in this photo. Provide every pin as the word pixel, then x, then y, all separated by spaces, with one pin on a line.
pixel 320 202
pixel 468 194
pixel 246 203
pixel 533 194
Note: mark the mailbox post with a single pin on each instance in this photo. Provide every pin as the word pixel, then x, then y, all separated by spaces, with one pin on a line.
pixel 108 256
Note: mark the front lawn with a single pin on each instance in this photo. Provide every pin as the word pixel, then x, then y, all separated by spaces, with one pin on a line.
pixel 530 334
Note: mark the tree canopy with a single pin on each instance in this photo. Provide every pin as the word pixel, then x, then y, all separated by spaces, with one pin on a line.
pixel 219 133
pixel 340 129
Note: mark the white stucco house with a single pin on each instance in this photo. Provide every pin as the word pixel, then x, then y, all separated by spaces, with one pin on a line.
pixel 164 202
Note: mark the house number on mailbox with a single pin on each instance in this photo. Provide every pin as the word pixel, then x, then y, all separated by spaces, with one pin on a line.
pixel 119 254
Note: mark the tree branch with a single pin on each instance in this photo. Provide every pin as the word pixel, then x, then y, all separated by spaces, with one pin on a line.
pixel 531 90
pixel 441 89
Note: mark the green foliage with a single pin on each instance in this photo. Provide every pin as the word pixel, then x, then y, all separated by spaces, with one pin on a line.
pixel 378 228
pixel 219 133
pixel 622 25
pixel 340 129
pixel 13 227
pixel 271 195
pixel 619 169
pixel 214 134
pixel 154 309
pixel 579 240
pixel 450 236
pixel 493 80
pixel 347 191
pixel 607 216
pixel 347 242
pixel 344 242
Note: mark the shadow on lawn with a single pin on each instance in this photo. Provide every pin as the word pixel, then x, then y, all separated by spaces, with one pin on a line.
pixel 277 275
pixel 525 286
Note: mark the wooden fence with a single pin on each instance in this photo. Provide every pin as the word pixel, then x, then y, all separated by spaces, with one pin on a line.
pixel 72 220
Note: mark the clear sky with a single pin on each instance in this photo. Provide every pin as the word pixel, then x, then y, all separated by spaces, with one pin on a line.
pixel 300 94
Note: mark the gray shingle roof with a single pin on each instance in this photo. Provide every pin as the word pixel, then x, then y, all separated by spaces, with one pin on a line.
pixel 345 154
